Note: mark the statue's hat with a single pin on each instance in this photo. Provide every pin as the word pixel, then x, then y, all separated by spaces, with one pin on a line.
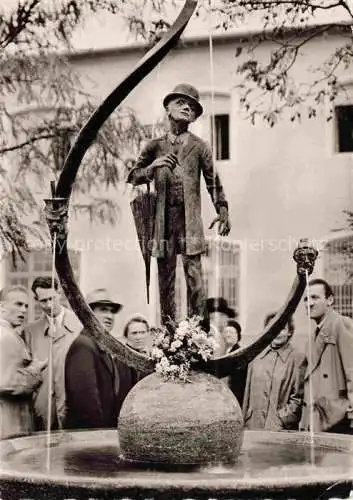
pixel 185 90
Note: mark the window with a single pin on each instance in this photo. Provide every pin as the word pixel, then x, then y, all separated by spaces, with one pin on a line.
pixel 37 263
pixel 221 274
pixel 220 139
pixel 338 271
pixel 344 124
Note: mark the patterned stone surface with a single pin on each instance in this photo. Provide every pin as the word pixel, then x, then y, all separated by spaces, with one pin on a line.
pixel 181 423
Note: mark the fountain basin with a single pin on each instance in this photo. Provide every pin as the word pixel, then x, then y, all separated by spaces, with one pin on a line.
pixel 87 464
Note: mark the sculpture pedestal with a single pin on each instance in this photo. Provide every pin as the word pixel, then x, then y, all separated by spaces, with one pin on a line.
pixel 169 422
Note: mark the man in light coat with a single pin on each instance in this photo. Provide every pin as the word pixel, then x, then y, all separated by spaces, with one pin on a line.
pixel 63 325
pixel 328 374
pixel 271 400
pixel 20 375
pixel 174 162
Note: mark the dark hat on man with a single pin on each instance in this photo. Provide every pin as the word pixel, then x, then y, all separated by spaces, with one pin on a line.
pixel 188 91
pixel 101 296
pixel 219 304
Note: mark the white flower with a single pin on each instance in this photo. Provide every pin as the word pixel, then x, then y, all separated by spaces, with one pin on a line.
pixel 199 339
pixel 165 343
pixel 158 369
pixel 183 325
pixel 182 330
pixel 164 362
pixel 156 353
pixel 175 345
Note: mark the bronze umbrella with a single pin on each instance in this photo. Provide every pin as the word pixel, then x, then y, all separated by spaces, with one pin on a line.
pixel 143 209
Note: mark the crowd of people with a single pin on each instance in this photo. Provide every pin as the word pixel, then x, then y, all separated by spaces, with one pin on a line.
pixel 287 389
pixel 88 386
pixel 281 389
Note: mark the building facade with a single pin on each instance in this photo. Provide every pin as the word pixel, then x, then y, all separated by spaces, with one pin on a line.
pixel 283 183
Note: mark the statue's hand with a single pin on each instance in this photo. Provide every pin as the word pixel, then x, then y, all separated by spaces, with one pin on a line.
pixel 170 160
pixel 224 225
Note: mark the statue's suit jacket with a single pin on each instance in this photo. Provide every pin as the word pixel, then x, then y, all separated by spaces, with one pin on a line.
pixel 38 341
pixel 194 157
pixel 330 371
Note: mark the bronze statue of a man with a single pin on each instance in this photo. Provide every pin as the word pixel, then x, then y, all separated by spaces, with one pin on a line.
pixel 174 162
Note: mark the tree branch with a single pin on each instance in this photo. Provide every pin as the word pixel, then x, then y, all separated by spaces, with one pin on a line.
pixel 28 142
pixel 15 27
pixel 269 4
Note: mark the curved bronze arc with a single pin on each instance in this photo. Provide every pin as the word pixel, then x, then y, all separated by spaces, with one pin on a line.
pixel 305 256
pixel 67 178
pixel 226 365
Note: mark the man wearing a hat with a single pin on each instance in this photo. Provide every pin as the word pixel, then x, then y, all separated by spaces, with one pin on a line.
pixel 174 163
pixel 91 375
pixel 105 307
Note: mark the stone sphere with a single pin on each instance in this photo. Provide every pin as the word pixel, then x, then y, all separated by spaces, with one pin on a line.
pixel 173 422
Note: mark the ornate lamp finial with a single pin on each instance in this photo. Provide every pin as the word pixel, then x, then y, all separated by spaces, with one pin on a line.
pixel 56 214
pixel 305 256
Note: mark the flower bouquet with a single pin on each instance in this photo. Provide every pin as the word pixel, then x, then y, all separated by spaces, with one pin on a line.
pixel 177 346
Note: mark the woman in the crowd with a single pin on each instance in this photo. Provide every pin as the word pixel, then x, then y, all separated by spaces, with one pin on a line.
pixel 232 335
pixel 232 338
